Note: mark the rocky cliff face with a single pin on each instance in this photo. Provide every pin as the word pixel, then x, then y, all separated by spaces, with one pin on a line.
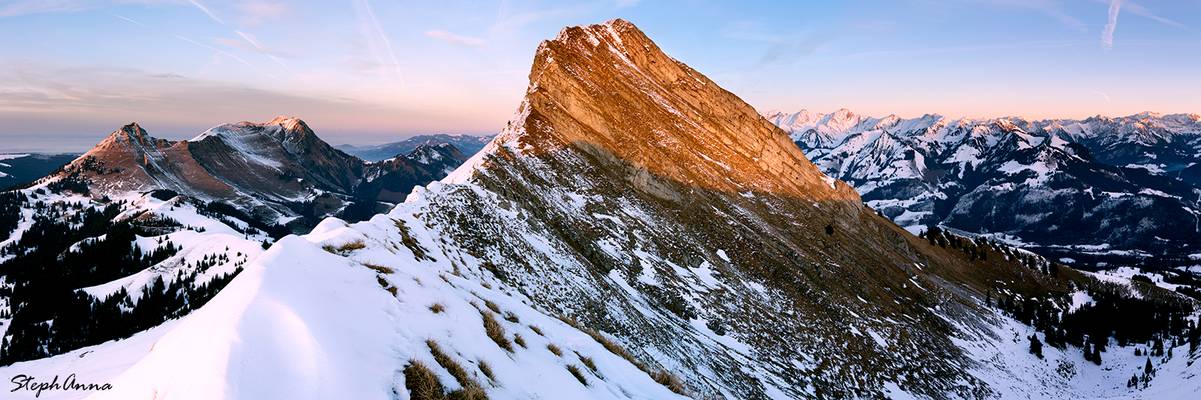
pixel 610 91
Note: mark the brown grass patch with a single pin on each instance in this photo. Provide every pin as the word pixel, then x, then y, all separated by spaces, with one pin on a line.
pixel 451 366
pixel 352 246
pixel 519 340
pixel 496 332
pixel 537 330
pixel 437 308
pixel 492 306
pixel 661 376
pixel 422 382
pixel 486 369
pixel 669 380
pixel 554 349
pixel 575 371
pixel 511 317
pixel 380 268
pixel 588 363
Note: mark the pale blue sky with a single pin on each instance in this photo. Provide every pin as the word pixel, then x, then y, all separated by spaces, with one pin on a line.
pixel 370 71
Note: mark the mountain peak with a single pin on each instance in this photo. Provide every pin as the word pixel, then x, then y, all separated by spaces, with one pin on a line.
pixel 289 123
pixel 608 90
pixel 130 134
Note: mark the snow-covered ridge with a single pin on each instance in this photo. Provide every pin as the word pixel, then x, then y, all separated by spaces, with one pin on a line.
pixel 321 316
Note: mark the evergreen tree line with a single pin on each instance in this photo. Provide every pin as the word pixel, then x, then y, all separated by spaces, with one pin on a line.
pixel 1114 314
pixel 69 246
pixel 81 320
pixel 980 249
pixel 224 211
pixel 11 204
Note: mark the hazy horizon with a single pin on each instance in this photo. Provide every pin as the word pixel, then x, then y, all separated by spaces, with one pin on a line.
pixel 369 72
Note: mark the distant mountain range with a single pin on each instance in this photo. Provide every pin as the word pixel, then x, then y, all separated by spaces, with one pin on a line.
pixel 277 171
pixel 17 169
pixel 1095 192
pixel 467 144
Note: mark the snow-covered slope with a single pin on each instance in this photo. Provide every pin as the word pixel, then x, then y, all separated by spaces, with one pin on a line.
pixel 1125 184
pixel 633 217
pixel 302 323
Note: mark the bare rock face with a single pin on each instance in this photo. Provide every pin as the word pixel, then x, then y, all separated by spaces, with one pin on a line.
pixel 609 89
pixel 635 196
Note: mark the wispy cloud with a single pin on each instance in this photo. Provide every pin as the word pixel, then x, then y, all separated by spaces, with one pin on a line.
pixel 218 54
pixel 1115 7
pixel 508 20
pixel 1050 8
pixel 455 38
pixel 377 40
pixel 130 20
pixel 206 11
pixel 250 43
pixel 1103 96
pixel 27 7
pixel 782 47
pixel 1139 10
pixel 255 12
pixel 974 48
pixel 90 101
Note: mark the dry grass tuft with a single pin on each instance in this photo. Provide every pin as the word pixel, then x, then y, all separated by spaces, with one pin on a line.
pixel 554 349
pixel 537 330
pixel 669 380
pixel 496 332
pixel 492 306
pixel 469 393
pixel 575 371
pixel 380 268
pixel 352 246
pixel 486 369
pixel 422 382
pixel 407 239
pixel 511 317
pixel 470 387
pixel 437 308
pixel 662 376
pixel 519 340
pixel 588 363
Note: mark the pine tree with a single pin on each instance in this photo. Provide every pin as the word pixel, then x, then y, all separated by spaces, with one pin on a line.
pixel 1036 347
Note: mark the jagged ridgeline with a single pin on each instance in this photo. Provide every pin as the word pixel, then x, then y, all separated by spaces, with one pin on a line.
pixel 634 195
pixel 636 231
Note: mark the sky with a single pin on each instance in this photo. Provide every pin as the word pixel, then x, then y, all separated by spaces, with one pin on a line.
pixel 375 71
